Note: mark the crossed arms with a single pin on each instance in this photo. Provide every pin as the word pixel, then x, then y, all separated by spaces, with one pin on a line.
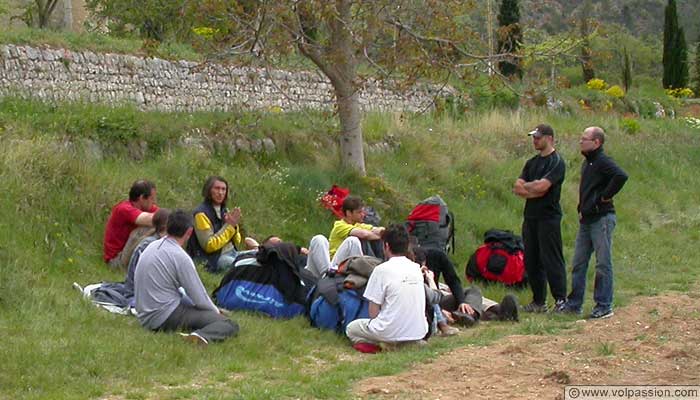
pixel 531 190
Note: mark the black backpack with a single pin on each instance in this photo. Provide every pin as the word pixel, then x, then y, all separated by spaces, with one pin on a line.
pixel 432 223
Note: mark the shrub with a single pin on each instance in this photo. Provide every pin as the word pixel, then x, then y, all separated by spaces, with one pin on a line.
pixel 693 122
pixel 596 84
pixel 680 92
pixel 615 91
pixel 486 98
pixel 630 126
pixel 645 108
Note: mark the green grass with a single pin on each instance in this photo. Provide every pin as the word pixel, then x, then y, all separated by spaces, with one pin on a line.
pixel 96 42
pixel 56 199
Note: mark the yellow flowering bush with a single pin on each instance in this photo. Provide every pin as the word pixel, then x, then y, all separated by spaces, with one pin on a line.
pixel 680 92
pixel 615 91
pixel 596 84
pixel 205 32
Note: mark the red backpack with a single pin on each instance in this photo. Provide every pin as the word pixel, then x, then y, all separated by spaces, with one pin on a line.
pixel 333 200
pixel 433 224
pixel 500 259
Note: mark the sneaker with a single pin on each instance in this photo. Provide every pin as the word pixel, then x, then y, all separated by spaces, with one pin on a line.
pixel 571 311
pixel 559 306
pixel 195 338
pixel 370 348
pixel 508 310
pixel 535 308
pixel 601 314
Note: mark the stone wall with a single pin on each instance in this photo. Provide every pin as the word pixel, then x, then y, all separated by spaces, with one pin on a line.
pixel 156 84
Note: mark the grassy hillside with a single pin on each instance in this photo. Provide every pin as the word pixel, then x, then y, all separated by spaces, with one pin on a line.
pixel 57 194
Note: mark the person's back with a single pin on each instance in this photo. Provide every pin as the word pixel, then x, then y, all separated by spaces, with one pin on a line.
pixel 133 261
pixel 396 295
pixel 128 222
pixel 163 268
pixel 397 285
pixel 169 293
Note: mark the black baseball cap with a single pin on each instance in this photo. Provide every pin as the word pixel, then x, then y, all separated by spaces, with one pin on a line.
pixel 541 130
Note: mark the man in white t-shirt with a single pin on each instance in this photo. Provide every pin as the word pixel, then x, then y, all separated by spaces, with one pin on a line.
pixel 396 294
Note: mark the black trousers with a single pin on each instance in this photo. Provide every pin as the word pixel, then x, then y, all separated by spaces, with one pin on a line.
pixel 544 258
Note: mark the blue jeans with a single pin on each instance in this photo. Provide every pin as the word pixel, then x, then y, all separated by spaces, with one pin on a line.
pixel 596 236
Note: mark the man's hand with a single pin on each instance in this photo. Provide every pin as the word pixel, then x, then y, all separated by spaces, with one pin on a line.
pixel 429 276
pixel 448 316
pixel 378 230
pixel 466 308
pixel 233 217
pixel 224 311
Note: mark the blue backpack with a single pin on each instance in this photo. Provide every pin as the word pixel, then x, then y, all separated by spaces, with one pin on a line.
pixel 272 287
pixel 254 296
pixel 332 307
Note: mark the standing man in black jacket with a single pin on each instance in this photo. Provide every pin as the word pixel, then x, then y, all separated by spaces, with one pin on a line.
pixel 601 180
pixel 540 185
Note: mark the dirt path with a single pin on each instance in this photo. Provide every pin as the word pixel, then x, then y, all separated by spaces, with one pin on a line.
pixel 656 340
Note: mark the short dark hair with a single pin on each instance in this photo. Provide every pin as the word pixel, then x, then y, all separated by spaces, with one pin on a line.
pixel 140 188
pixel 396 236
pixel 160 219
pixel 179 222
pixel 206 189
pixel 352 203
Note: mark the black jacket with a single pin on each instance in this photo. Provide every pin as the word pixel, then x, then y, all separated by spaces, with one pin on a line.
pixel 601 179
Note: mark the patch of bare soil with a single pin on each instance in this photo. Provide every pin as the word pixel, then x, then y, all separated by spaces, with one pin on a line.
pixel 654 341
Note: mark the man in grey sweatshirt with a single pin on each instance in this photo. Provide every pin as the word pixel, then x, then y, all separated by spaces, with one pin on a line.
pixel 163 273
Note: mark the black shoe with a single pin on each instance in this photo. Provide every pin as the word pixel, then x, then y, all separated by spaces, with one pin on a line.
pixel 559 306
pixel 535 308
pixel 464 319
pixel 508 310
pixel 602 313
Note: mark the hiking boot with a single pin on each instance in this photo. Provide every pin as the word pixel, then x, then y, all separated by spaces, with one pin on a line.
pixel 559 306
pixel 464 319
pixel 535 308
pixel 601 313
pixel 195 338
pixel 448 331
pixel 508 309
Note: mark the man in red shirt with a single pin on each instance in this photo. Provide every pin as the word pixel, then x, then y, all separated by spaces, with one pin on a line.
pixel 129 221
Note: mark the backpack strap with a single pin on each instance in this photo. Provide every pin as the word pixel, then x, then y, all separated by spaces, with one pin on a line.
pixel 451 235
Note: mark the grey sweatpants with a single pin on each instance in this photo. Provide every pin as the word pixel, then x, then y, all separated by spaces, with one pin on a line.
pixel 206 323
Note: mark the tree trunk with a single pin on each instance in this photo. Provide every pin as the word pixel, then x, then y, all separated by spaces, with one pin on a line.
pixel 351 144
pixel 337 61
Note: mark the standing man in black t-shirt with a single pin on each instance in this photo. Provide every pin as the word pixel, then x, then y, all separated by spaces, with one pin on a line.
pixel 540 185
